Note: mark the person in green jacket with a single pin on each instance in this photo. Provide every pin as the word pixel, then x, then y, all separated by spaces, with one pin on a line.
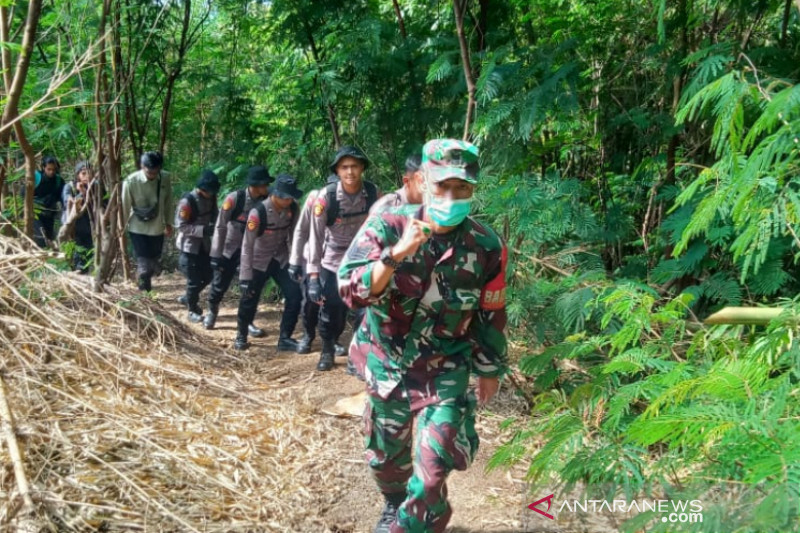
pixel 147 207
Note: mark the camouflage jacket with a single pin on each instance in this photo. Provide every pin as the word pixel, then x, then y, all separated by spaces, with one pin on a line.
pixel 442 315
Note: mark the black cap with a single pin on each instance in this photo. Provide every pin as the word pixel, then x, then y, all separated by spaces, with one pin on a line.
pixel 286 187
pixel 152 160
pixel 208 182
pixel 349 151
pixel 258 175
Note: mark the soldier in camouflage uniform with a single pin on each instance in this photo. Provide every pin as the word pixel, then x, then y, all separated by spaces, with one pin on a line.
pixel 195 217
pixel 226 247
pixel 409 193
pixel 433 282
pixel 265 254
pixel 339 211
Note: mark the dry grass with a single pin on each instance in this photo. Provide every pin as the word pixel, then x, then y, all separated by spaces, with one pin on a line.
pixel 125 420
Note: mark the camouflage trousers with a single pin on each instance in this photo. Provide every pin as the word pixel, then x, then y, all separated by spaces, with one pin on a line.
pixel 444 439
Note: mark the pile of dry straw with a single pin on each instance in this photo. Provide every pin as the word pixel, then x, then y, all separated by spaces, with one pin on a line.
pixel 117 418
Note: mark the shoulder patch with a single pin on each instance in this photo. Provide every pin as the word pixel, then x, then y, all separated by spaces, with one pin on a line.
pixel 227 205
pixel 185 212
pixel 493 295
pixel 319 207
pixel 252 222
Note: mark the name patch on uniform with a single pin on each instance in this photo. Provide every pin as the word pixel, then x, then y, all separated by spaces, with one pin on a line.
pixel 319 207
pixel 185 213
pixel 252 223
pixel 493 295
pixel 227 204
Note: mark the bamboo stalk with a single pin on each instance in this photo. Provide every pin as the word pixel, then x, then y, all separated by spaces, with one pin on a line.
pixel 757 316
pixel 13 448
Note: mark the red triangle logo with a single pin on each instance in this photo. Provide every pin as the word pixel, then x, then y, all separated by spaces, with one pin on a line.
pixel 549 500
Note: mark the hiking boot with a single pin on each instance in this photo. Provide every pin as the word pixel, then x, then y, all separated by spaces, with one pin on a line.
pixel 339 350
pixel 389 514
pixel 304 346
pixel 195 317
pixel 211 317
pixel 256 332
pixel 182 300
pixel 241 342
pixel 287 344
pixel 326 358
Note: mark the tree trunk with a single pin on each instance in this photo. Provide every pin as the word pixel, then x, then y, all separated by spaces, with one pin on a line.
pixel 14 90
pixel 337 139
pixel 107 230
pixel 459 8
pixel 173 75
pixel 14 87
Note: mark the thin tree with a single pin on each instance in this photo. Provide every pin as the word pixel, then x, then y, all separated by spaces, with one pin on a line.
pixel 13 88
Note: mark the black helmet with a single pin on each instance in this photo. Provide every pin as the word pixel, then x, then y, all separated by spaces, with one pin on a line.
pixel 349 151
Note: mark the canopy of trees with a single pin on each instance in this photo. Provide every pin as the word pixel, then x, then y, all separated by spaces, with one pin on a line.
pixel 640 157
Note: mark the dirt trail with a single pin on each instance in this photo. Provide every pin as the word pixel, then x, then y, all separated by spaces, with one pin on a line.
pixel 493 502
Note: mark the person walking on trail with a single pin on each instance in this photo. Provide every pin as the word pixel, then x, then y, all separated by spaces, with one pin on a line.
pixel 339 211
pixel 226 246
pixel 195 217
pixel 147 207
pixel 265 254
pixel 77 217
pixel 433 282
pixel 297 270
pixel 409 193
pixel 48 187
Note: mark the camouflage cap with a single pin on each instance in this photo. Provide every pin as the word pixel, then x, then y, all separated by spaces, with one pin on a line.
pixel 450 158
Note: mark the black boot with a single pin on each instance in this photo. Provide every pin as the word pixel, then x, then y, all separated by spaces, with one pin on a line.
pixel 326 358
pixel 304 346
pixel 195 315
pixel 339 350
pixel 287 344
pixel 241 342
pixel 389 514
pixel 211 317
pixel 255 332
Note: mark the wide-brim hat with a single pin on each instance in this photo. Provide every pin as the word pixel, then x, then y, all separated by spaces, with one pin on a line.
pixel 443 159
pixel 349 151
pixel 258 175
pixel 208 182
pixel 285 186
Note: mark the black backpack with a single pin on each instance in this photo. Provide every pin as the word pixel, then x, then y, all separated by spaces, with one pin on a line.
pixel 262 217
pixel 333 203
pixel 192 199
pixel 238 207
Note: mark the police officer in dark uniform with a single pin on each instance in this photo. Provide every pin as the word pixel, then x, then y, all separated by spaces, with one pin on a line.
pixel 195 217
pixel 265 254
pixel 297 270
pixel 339 211
pixel 226 246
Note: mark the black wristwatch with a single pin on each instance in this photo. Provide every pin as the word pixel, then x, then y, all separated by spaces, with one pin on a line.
pixel 388 260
